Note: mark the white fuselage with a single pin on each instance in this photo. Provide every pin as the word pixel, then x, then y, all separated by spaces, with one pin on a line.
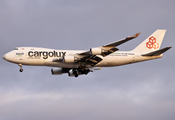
pixel 43 57
pixel 81 62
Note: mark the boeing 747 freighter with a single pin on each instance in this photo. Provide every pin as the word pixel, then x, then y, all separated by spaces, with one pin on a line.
pixel 79 62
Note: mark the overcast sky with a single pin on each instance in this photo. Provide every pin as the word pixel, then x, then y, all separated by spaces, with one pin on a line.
pixel 140 91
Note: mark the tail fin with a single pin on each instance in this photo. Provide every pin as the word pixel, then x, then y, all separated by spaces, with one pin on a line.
pixel 152 43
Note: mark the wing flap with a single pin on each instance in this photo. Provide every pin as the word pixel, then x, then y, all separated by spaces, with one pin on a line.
pixel 91 60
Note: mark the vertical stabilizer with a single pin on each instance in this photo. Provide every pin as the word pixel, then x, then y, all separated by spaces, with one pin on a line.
pixel 152 43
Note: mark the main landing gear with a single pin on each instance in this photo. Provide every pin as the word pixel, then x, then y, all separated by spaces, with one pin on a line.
pixel 81 70
pixel 20 70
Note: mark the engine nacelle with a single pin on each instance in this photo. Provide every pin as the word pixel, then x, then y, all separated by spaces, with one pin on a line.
pixel 56 71
pixel 97 51
pixel 70 59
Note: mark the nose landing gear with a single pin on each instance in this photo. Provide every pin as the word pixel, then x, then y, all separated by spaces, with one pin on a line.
pixel 20 70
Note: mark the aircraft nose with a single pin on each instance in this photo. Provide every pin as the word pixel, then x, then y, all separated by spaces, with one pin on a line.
pixel 4 57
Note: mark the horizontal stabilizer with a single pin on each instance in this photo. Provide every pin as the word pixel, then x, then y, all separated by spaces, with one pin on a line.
pixel 157 52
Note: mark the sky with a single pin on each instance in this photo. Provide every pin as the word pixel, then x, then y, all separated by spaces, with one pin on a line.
pixel 140 91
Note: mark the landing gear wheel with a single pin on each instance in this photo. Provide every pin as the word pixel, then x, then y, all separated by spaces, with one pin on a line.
pixel 20 70
pixel 76 75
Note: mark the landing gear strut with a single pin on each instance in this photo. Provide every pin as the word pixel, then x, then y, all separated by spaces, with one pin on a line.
pixel 20 70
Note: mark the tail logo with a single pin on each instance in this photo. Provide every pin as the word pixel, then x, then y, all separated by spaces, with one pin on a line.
pixel 152 43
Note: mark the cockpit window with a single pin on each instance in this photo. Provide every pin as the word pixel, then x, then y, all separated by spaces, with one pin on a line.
pixel 16 49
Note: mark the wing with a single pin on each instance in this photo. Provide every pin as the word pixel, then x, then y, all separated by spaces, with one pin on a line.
pixel 92 57
pixel 114 44
pixel 110 48
pixel 82 60
pixel 89 58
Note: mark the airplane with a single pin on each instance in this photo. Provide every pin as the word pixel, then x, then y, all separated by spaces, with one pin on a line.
pixel 81 62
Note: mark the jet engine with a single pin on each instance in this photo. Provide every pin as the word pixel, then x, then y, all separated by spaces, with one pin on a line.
pixel 97 51
pixel 70 59
pixel 56 71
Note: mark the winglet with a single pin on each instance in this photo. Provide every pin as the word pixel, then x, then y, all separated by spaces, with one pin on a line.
pixel 136 35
